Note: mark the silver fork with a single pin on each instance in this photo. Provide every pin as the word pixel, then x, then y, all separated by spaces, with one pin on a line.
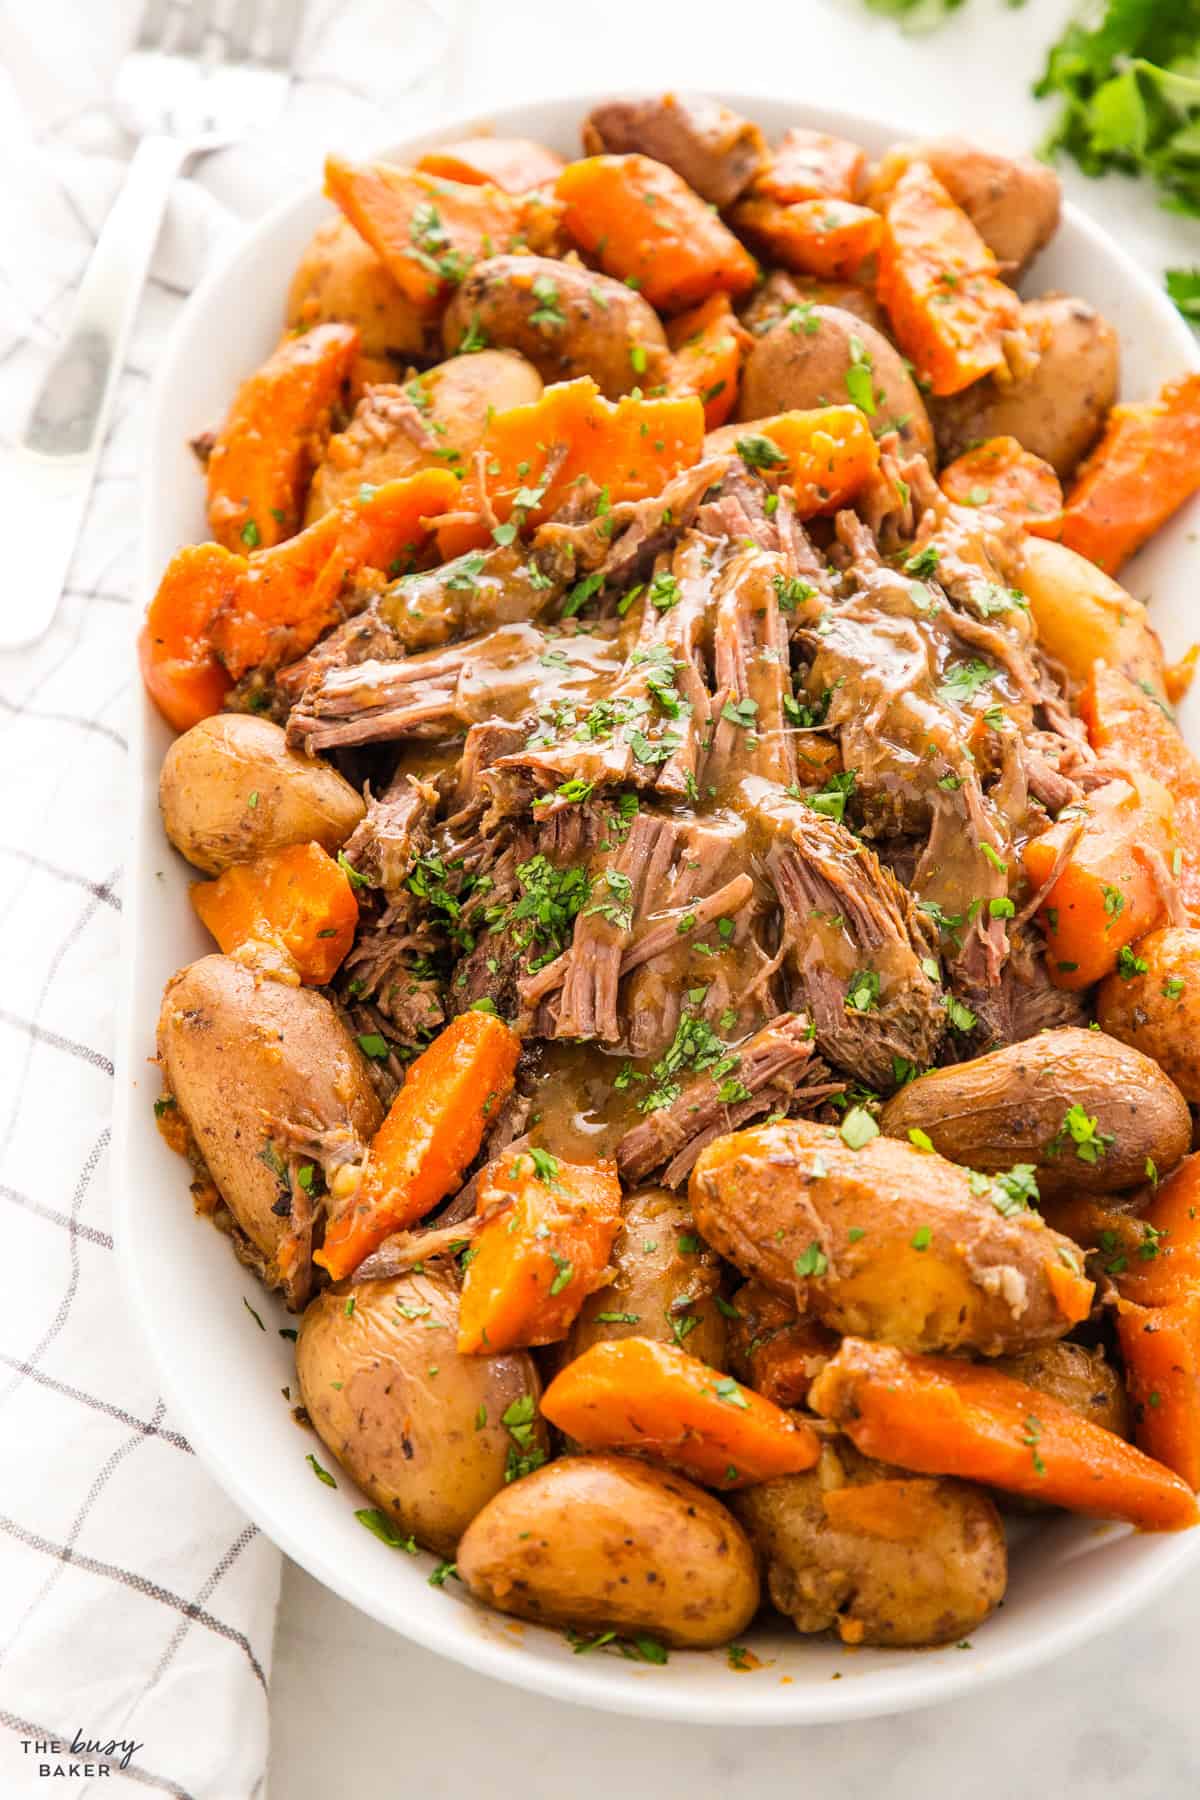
pixel 200 75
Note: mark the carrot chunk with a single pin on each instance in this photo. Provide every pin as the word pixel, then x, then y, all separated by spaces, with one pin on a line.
pixel 826 454
pixel 1161 1349
pixel 939 283
pixel 542 1249
pixel 431 1134
pixel 830 239
pixel 642 223
pixel 1002 475
pixel 428 231
pixel 812 165
pixel 942 1417
pixel 535 454
pixel 296 903
pixel 636 1394
pixel 1142 470
pixel 708 344
pixel 1134 729
pixel 1109 889
pixel 512 164
pixel 181 671
pixel 269 445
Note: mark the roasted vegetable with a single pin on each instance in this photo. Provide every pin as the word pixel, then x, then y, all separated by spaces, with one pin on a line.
pixel 514 164
pixel 1079 1109
pixel 665 1283
pixel 564 319
pixel 542 1248
pixel 654 1399
pixel 1152 1001
pixel 886 1239
pixel 644 224
pixel 772 1347
pixel 707 345
pixel 290 912
pixel 430 1137
pixel 231 790
pixel 1012 201
pixel 1161 1348
pixel 340 279
pixel 1082 616
pixel 880 1556
pixel 812 165
pixel 826 456
pixel 1142 470
pixel 943 1417
pixel 1058 398
pixel 249 1064
pixel 603 1543
pixel 1082 1379
pixel 831 239
pixel 820 355
pixel 1002 476
pixel 430 1436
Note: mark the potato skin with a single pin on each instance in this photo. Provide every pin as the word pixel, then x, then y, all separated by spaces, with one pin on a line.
pixel 1013 201
pixel 874 1589
pixel 1008 1107
pixel 233 1049
pixel 340 278
pixel 1083 615
pixel 208 780
pixel 1059 408
pixel 604 1543
pixel 409 1437
pixel 601 321
pixel 1158 1013
pixel 905 1252
pixel 652 1275
pixel 782 290
pixel 1082 1379
pixel 397 430
pixel 808 368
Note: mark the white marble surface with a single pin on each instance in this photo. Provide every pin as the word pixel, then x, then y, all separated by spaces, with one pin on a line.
pixel 356 1710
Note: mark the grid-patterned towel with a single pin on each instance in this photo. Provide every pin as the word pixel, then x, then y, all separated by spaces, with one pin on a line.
pixel 136 1604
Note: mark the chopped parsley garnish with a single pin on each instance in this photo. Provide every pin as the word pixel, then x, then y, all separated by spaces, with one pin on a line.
pixel 1079 1129
pixel 862 994
pixel 831 799
pixel 963 681
pixel 380 1526
pixel 320 1473
pixel 859 385
pixel 758 452
pixel 858 1128
pixel 813 1261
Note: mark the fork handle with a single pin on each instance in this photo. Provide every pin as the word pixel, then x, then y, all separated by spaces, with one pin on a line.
pixel 45 481
pixel 72 407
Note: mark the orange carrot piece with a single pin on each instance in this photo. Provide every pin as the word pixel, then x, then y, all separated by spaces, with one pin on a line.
pixel 428 231
pixel 182 673
pixel 1161 1349
pixel 708 344
pixel 272 439
pixel 1152 1253
pixel 830 239
pixel 290 595
pixel 938 1416
pixel 812 165
pixel 939 283
pixel 297 903
pixel 1132 728
pixel 431 1134
pixel 512 164
pixel 542 1249
pixel 642 223
pixel 781 1361
pixel 1142 470
pixel 1108 892
pixel 1003 475
pixel 826 454
pixel 636 1394
pixel 632 447
pixel 899 1512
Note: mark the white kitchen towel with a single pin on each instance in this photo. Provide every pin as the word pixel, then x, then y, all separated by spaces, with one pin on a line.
pixel 136 1603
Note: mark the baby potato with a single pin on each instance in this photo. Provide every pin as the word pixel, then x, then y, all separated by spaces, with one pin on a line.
pixel 1058 409
pixel 879 1556
pixel 1082 616
pixel 1155 1007
pixel 886 1241
pixel 664 1286
pixel 1031 1103
pixel 435 420
pixel 565 319
pixel 1082 1379
pixel 239 1053
pixel 809 367
pixel 604 1543
pixel 426 1433
pixel 339 278
pixel 1012 201
pixel 231 789
pixel 784 294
